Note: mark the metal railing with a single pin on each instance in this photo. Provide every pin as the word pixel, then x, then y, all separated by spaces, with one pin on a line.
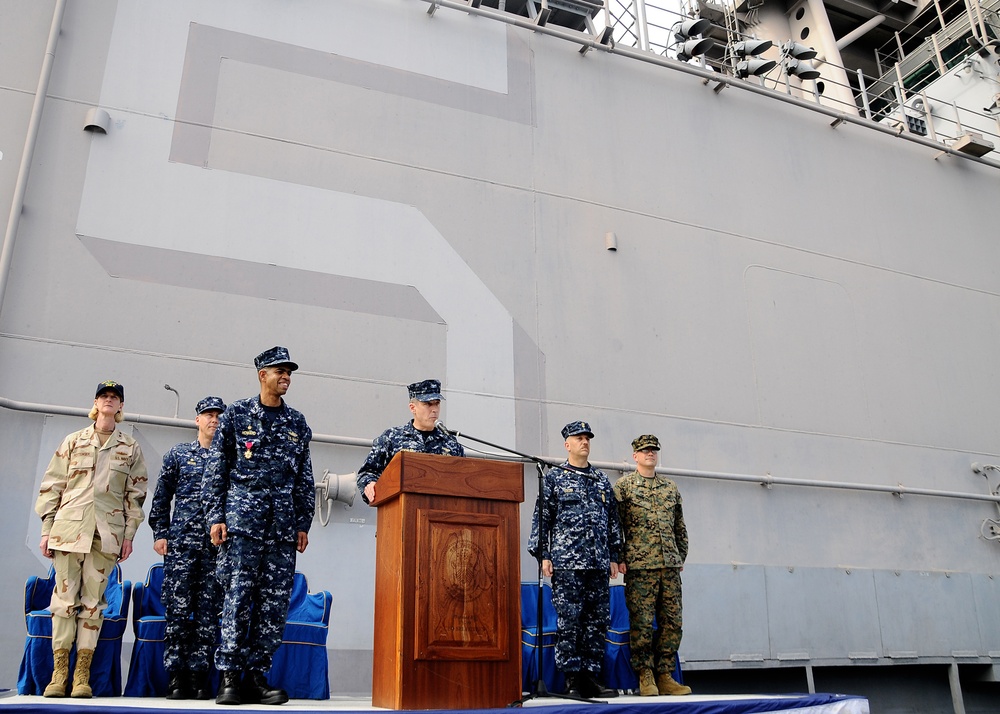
pixel 936 35
pixel 898 98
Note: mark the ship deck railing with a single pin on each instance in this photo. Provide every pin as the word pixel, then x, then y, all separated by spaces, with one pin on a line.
pixel 646 30
pixel 898 97
pixel 935 40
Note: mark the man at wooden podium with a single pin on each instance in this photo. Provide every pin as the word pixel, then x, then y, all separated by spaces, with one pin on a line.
pixel 419 434
pixel 577 534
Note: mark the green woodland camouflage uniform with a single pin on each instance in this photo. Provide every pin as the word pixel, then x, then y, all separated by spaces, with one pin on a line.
pixel 656 546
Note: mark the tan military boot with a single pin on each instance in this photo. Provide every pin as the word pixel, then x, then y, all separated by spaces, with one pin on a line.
pixel 81 675
pixel 665 684
pixel 647 684
pixel 60 674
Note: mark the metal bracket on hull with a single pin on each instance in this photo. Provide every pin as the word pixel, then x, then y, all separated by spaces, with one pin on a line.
pixel 539 16
pixel 990 527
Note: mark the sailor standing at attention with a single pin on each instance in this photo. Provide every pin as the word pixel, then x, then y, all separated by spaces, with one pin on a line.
pixel 259 498
pixel 190 594
pixel 576 533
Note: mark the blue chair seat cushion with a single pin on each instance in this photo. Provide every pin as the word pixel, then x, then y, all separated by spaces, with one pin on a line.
pixel 305 633
pixel 39 624
pixel 619 639
pixel 151 628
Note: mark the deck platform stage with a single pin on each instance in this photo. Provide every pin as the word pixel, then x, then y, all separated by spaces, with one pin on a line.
pixel 692 704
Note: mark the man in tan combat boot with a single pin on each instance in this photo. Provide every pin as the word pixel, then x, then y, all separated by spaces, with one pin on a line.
pixel 656 545
pixel 90 503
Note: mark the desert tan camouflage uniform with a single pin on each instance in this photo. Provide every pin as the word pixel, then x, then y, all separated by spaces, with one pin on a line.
pixel 90 502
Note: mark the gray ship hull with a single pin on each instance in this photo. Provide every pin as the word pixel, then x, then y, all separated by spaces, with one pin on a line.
pixel 807 316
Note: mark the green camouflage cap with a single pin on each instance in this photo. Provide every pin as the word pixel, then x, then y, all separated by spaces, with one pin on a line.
pixel 646 441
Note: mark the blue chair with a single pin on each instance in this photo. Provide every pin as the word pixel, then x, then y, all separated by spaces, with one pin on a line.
pixel 618 652
pixel 554 680
pixel 301 664
pixel 617 669
pixel 146 676
pixel 106 668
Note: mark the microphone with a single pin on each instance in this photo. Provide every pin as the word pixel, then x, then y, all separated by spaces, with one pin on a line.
pixel 439 426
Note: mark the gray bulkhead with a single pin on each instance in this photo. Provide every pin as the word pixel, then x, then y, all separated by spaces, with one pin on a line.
pixel 394 196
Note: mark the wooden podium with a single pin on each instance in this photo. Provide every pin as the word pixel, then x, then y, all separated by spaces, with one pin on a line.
pixel 447 583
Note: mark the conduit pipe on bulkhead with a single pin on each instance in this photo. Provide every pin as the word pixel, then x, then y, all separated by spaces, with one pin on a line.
pixel 30 140
pixel 59 410
pixel 766 480
pixel 171 422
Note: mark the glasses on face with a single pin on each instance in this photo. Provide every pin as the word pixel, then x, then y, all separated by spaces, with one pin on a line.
pixel 647 451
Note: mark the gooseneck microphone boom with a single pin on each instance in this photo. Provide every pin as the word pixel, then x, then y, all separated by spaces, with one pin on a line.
pixel 439 426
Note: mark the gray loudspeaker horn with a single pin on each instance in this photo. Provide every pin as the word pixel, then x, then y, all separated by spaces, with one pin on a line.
pixel 334 487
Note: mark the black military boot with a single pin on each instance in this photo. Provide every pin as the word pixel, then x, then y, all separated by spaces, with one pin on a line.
pixel 200 686
pixel 572 685
pixel 177 687
pixel 256 690
pixel 229 689
pixel 592 688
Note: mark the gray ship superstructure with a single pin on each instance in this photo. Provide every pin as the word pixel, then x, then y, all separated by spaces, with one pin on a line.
pixel 783 265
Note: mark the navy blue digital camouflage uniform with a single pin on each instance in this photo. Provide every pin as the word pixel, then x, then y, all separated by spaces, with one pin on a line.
pixel 259 482
pixel 404 438
pixel 190 593
pixel 576 526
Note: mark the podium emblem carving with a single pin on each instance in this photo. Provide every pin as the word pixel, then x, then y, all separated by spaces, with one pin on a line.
pixel 460 606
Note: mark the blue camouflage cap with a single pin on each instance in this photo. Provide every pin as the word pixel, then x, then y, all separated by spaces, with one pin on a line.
pixel 208 404
pixel 426 391
pixel 273 357
pixel 577 427
pixel 111 385
pixel 646 441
